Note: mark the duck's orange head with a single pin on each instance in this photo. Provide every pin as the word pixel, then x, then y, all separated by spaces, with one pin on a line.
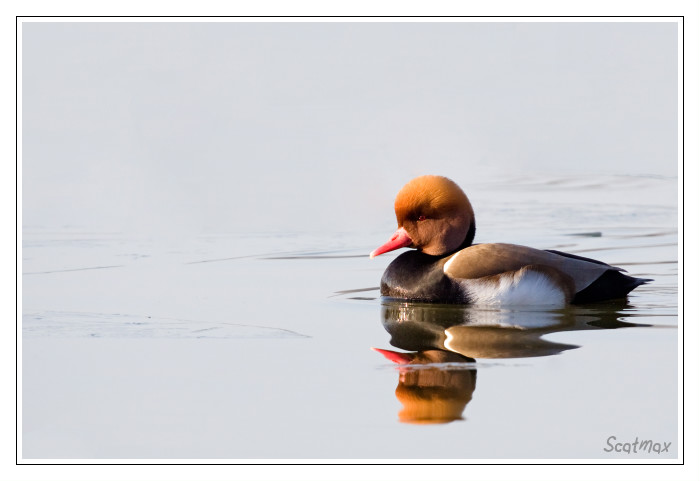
pixel 434 216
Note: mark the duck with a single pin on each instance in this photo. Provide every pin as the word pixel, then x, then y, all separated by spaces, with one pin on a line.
pixel 436 220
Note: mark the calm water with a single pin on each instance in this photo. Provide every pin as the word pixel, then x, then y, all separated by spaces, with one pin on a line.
pixel 257 345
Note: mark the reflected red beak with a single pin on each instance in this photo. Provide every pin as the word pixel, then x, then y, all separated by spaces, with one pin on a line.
pixel 393 356
pixel 398 240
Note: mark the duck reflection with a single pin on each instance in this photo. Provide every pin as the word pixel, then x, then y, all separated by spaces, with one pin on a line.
pixel 438 379
pixel 429 392
pixel 491 333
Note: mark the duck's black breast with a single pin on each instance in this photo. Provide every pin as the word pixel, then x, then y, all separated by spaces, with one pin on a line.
pixel 420 277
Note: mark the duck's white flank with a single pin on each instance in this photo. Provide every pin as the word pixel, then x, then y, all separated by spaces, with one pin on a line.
pixel 524 287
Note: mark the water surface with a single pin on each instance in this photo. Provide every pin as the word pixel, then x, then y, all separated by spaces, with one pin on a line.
pixel 257 345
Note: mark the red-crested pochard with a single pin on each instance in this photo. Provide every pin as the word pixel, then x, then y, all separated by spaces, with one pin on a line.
pixel 435 218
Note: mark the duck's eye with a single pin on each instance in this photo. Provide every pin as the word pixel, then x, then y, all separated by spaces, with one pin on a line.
pixel 422 217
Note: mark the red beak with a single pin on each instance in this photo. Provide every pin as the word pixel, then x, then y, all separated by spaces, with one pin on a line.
pixel 397 357
pixel 398 240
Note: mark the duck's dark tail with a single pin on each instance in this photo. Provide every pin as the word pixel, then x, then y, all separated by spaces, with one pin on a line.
pixel 611 285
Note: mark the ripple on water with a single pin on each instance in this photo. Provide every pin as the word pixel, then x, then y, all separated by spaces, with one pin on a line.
pixel 94 324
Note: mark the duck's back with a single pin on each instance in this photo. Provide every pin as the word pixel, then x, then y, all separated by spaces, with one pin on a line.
pixel 504 273
pixel 483 260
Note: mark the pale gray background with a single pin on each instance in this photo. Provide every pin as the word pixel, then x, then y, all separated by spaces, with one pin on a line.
pixel 197 127
pixel 239 142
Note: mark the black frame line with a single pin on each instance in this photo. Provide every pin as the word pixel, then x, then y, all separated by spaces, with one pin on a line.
pixel 18 20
